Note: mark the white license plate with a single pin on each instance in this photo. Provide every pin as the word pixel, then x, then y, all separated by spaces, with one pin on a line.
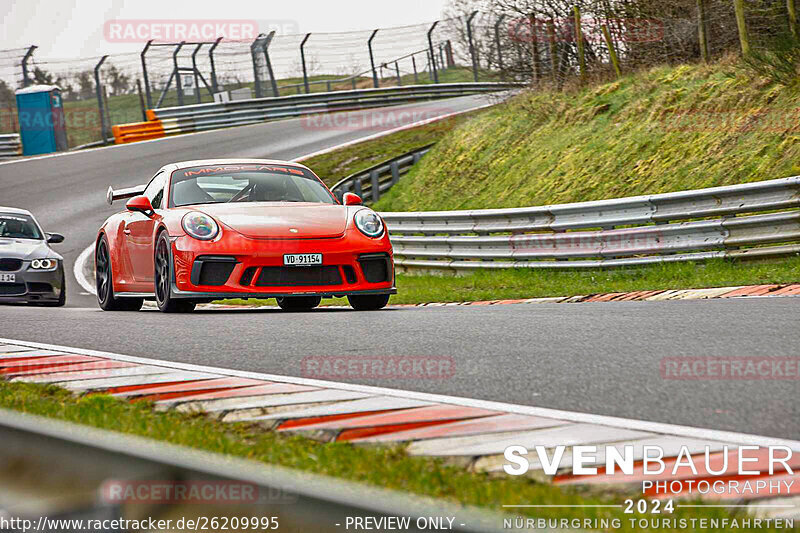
pixel 302 259
pixel 8 278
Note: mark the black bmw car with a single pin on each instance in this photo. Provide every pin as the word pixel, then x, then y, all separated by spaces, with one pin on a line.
pixel 30 271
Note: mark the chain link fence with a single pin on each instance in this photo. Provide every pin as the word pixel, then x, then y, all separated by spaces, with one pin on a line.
pixel 534 41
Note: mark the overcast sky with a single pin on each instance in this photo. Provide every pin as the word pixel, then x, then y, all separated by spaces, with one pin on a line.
pixel 74 28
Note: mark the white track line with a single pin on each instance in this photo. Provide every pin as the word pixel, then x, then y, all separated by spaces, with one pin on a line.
pixel 78 269
pixel 641 425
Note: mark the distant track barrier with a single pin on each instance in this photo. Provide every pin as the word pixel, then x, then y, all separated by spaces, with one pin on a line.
pixel 682 226
pixel 203 117
pixel 10 145
pixel 374 181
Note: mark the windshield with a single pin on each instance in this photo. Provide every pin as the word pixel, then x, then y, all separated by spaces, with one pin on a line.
pixel 246 183
pixel 18 227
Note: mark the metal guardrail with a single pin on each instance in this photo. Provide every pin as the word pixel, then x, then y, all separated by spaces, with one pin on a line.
pixel 682 226
pixel 210 116
pixel 10 145
pixel 67 470
pixel 372 182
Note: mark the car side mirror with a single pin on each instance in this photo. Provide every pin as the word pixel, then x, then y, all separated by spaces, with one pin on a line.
pixel 140 204
pixel 351 199
pixel 55 238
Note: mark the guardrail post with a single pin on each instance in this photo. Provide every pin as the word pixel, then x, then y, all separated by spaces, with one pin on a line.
pixel 25 79
pixel 214 84
pixel 357 186
pixel 372 59
pixel 194 69
pixel 497 41
pixel 399 79
pixel 145 76
pixel 433 56
pixel 472 46
pixel 303 60
pixel 272 81
pixel 376 186
pixel 99 91
pixel 254 57
pixel 414 66
pixel 395 168
pixel 141 99
pixel 178 81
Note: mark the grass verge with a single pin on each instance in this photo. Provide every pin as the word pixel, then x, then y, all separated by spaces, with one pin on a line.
pixel 667 129
pixel 388 467
pixel 523 283
pixel 334 166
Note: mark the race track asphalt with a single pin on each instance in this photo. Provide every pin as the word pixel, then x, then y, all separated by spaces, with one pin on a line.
pixel 601 358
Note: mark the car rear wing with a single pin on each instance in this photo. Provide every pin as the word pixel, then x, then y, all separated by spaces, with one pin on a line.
pixel 122 194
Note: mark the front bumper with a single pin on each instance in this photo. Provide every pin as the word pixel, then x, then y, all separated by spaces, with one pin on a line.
pixel 240 267
pixel 32 286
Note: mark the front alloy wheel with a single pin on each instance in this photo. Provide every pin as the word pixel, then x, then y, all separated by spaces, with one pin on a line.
pixel 298 303
pixel 163 280
pixel 368 302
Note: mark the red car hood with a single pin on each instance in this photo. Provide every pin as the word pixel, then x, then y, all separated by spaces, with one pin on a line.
pixel 277 220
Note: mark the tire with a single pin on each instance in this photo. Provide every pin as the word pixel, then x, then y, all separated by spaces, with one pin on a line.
pixel 299 303
pixel 163 279
pixel 104 281
pixel 368 302
pixel 62 298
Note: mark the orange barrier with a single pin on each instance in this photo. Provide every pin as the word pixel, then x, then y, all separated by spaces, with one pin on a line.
pixel 137 131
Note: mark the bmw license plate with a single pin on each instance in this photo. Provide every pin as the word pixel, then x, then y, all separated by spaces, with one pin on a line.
pixel 8 278
pixel 302 259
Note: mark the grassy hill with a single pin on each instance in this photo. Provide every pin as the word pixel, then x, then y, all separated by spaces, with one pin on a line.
pixel 667 129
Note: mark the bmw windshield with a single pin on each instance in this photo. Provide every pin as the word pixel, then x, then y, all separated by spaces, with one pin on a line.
pixel 14 226
pixel 246 183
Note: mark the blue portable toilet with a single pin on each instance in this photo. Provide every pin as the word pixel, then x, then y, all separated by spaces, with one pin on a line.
pixel 42 128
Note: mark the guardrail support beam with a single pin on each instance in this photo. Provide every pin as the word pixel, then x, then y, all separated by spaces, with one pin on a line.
pixel 194 68
pixel 303 60
pixel 272 81
pixel 25 79
pixel 178 81
pixel 472 46
pixel 99 90
pixel 256 76
pixel 372 59
pixel 214 83
pixel 145 77
pixel 432 54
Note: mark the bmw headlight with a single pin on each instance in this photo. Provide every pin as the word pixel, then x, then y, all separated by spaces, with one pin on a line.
pixel 369 223
pixel 200 226
pixel 44 265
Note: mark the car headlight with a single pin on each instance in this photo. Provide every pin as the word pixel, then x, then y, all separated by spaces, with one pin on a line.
pixel 44 264
pixel 200 226
pixel 369 223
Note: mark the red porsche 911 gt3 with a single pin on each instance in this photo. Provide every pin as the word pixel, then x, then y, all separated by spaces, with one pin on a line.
pixel 205 230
